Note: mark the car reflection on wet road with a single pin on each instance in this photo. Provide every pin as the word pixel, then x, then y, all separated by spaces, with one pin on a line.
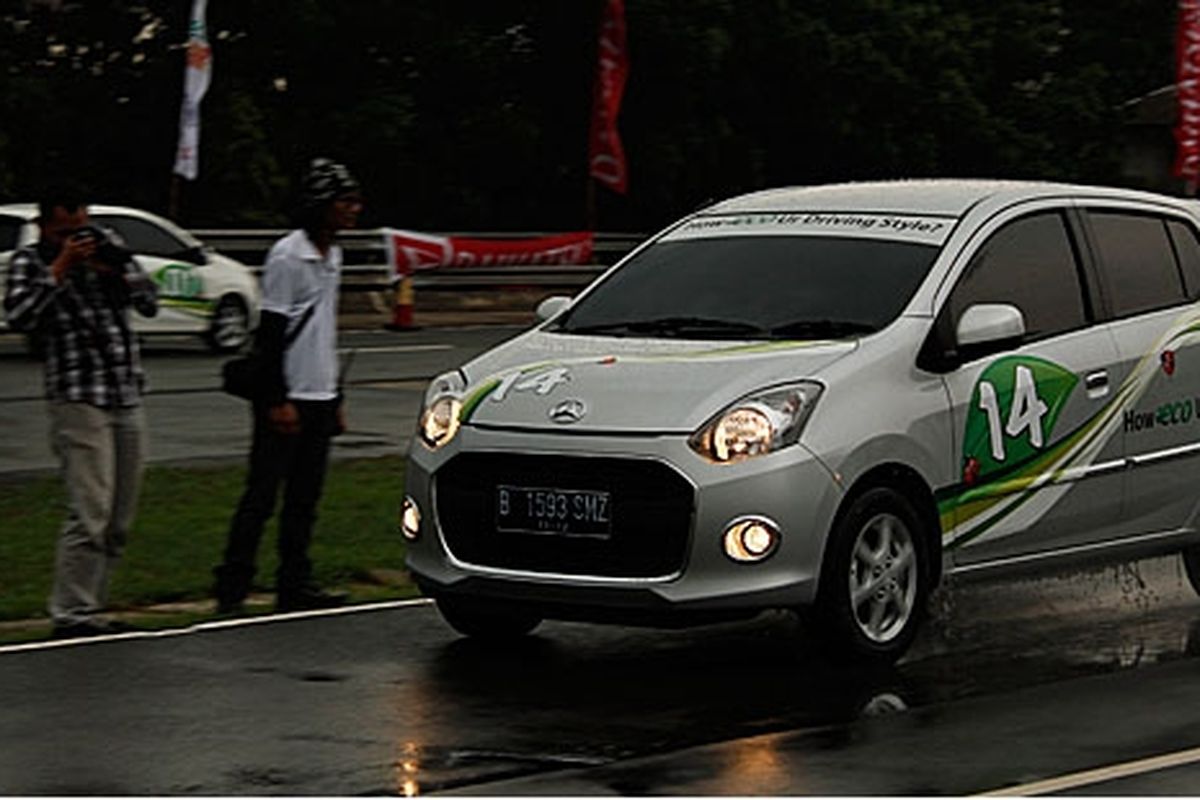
pixel 1014 682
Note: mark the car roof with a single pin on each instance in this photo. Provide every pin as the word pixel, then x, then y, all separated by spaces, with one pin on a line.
pixel 26 211
pixel 934 197
pixel 29 211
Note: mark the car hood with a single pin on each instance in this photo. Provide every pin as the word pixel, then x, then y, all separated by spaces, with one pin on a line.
pixel 626 385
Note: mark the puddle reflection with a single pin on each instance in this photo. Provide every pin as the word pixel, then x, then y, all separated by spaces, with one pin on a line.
pixel 408 766
pixel 573 697
pixel 750 675
pixel 579 695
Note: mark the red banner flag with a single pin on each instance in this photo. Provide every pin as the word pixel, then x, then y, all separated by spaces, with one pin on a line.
pixel 606 158
pixel 1187 71
pixel 409 251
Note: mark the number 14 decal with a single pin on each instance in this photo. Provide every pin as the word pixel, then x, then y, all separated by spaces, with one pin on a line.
pixel 541 383
pixel 1011 418
pixel 1026 412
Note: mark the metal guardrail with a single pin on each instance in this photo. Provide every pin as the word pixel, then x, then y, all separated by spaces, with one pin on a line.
pixel 365 264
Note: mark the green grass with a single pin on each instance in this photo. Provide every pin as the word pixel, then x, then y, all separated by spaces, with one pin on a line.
pixel 179 534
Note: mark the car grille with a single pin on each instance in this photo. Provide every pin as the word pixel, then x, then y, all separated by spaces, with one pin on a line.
pixel 651 515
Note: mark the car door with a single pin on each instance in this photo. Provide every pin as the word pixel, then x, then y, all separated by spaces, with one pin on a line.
pixel 184 303
pixel 1140 257
pixel 1039 449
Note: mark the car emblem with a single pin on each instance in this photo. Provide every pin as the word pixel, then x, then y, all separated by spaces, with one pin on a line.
pixel 1168 362
pixel 971 472
pixel 570 410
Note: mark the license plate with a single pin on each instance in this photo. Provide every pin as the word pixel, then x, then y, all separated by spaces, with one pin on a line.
pixel 567 512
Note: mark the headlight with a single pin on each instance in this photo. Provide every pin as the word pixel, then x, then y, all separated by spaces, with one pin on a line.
pixel 759 424
pixel 439 420
pixel 410 519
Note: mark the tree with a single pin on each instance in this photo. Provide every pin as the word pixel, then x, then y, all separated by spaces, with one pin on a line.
pixel 467 116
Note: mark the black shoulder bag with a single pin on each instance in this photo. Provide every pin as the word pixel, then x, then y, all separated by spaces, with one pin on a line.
pixel 244 376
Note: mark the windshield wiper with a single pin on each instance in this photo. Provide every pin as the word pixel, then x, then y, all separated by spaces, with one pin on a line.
pixel 675 326
pixel 822 328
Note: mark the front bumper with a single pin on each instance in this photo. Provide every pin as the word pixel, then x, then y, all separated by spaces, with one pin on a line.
pixel 790 487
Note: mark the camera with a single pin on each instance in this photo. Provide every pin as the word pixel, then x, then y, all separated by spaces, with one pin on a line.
pixel 108 252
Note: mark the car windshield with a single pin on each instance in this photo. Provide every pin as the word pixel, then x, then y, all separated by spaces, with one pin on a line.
pixel 755 287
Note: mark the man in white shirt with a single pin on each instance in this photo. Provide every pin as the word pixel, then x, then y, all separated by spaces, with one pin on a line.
pixel 301 407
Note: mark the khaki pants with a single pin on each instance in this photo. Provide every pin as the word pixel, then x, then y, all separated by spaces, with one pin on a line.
pixel 101 452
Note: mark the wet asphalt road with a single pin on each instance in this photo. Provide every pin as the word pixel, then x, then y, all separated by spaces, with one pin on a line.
pixel 1014 682
pixel 190 419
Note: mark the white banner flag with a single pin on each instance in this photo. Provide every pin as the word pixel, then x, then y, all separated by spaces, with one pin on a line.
pixel 195 84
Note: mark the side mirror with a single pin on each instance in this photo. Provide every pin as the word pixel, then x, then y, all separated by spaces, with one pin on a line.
pixel 552 306
pixel 989 324
pixel 983 328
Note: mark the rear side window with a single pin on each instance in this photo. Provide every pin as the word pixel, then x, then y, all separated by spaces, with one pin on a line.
pixel 10 233
pixel 1031 264
pixel 1187 248
pixel 1137 262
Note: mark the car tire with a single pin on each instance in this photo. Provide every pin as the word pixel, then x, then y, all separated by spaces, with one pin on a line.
pixel 1191 565
pixel 486 619
pixel 229 330
pixel 875 579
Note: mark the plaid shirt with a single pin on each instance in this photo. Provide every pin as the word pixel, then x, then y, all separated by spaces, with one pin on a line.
pixel 91 354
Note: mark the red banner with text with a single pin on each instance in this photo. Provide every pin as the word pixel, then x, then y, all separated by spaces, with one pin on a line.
pixel 606 157
pixel 1187 60
pixel 409 251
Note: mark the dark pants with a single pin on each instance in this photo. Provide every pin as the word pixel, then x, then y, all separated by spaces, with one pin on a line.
pixel 298 462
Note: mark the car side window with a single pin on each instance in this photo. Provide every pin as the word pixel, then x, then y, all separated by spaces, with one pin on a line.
pixel 1187 250
pixel 1030 263
pixel 10 233
pixel 143 237
pixel 1137 261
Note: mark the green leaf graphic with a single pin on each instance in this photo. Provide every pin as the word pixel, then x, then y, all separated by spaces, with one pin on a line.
pixel 1012 416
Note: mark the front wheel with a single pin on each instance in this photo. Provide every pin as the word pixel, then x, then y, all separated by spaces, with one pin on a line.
pixel 1191 565
pixel 875 580
pixel 229 329
pixel 491 620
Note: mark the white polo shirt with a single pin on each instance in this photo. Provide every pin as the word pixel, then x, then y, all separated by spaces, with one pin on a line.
pixel 295 277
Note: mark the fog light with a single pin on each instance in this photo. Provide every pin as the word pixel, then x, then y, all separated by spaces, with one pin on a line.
pixel 751 539
pixel 410 519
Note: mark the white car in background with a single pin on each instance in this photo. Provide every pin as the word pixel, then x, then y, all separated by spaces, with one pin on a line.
pixel 200 291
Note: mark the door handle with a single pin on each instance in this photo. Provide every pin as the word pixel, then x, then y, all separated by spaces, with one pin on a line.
pixel 1096 383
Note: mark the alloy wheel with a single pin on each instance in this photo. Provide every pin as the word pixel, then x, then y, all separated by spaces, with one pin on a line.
pixel 230 325
pixel 883 577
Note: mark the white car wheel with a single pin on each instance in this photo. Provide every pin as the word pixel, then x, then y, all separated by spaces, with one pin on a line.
pixel 230 327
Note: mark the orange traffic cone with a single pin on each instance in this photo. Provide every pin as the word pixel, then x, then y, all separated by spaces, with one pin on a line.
pixel 402 306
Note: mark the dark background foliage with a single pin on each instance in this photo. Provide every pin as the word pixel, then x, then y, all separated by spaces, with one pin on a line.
pixel 460 115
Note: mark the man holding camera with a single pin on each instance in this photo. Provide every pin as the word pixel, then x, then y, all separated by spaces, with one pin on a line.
pixel 74 287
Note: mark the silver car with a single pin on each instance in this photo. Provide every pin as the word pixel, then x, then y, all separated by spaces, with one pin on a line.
pixel 825 399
